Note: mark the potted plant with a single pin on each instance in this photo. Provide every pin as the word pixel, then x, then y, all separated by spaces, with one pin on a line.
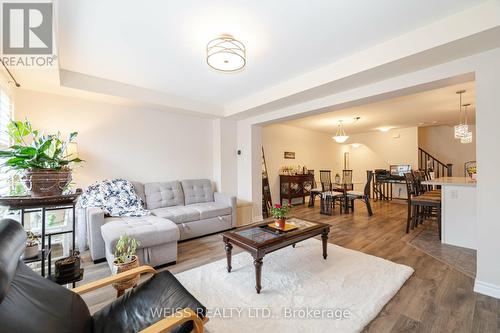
pixel 125 259
pixel 279 214
pixel 472 171
pixel 32 242
pixel 43 160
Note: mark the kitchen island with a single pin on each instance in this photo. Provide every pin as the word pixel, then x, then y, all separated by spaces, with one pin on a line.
pixel 458 210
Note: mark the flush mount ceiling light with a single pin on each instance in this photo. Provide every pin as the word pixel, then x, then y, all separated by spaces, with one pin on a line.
pixel 340 136
pixel 384 129
pixel 461 129
pixel 226 54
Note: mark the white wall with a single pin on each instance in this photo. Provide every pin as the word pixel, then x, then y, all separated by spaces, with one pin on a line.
pixel 439 141
pixel 118 141
pixel 314 150
pixel 379 150
pixel 225 153
pixel 488 160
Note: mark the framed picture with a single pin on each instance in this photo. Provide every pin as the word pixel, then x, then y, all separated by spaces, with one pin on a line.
pixel 290 155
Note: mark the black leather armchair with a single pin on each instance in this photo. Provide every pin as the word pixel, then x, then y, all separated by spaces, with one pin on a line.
pixel 31 303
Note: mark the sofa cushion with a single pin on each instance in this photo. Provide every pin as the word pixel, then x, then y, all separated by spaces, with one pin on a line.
pixel 178 214
pixel 139 190
pixel 211 209
pixel 163 194
pixel 148 230
pixel 197 190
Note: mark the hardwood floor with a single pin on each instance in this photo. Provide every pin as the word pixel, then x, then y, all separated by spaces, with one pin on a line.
pixel 437 298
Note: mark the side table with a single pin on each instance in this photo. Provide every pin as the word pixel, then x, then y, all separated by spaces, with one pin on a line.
pixel 26 204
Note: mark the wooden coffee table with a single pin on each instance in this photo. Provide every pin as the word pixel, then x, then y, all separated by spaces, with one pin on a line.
pixel 258 240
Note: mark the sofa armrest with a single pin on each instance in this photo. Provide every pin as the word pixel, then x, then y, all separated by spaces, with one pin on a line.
pixel 180 317
pixel 229 200
pixel 95 220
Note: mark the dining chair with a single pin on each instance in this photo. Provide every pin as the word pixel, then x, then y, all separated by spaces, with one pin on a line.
pixel 315 190
pixel 325 177
pixel 326 185
pixel 351 196
pixel 347 179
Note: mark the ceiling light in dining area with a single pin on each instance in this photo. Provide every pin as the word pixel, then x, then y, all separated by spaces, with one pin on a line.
pixel 384 129
pixel 340 136
pixel 226 54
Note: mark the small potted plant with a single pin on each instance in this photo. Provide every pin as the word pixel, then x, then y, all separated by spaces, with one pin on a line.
pixel 279 214
pixel 472 171
pixel 125 259
pixel 32 243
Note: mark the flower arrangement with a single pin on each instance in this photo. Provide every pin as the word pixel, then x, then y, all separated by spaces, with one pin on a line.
pixel 279 213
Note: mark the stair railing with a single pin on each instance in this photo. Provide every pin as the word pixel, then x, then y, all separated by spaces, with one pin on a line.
pixel 428 162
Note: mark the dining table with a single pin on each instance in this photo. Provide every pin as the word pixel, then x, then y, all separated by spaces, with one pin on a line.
pixel 328 197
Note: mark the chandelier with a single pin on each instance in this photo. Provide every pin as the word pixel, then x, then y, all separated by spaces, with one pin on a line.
pixel 340 136
pixel 226 54
pixel 461 129
pixel 467 138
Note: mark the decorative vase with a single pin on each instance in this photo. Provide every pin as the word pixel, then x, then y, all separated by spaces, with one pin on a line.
pixel 129 282
pixel 337 179
pixel 46 182
pixel 30 251
pixel 280 223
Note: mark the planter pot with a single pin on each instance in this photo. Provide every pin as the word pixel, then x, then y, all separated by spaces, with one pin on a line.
pixel 280 223
pixel 30 251
pixel 473 176
pixel 46 182
pixel 130 282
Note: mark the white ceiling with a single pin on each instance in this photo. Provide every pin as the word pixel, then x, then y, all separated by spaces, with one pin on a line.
pixel 160 45
pixel 429 108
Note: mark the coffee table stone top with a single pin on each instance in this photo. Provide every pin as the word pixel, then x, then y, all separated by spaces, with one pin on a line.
pixel 261 233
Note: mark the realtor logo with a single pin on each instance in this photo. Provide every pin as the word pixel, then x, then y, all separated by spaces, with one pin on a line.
pixel 27 28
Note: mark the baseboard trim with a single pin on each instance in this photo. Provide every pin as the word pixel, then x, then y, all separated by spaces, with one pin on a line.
pixel 487 289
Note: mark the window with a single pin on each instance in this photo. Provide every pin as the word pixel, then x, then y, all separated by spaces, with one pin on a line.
pixel 6 111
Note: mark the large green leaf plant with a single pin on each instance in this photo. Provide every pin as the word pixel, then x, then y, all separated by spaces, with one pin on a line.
pixel 32 150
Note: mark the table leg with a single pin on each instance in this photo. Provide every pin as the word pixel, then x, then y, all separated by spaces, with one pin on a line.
pixel 324 238
pixel 229 248
pixel 258 273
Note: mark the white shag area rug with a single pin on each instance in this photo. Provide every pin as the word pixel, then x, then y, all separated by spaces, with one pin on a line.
pixel 301 292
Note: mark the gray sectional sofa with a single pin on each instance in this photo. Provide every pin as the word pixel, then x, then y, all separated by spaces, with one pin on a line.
pixel 179 210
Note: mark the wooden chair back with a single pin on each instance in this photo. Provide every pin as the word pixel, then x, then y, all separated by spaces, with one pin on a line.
pixel 325 177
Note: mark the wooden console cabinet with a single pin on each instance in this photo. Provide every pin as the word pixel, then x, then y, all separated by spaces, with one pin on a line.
pixel 296 186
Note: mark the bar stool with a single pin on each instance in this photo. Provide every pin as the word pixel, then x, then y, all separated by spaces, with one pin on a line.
pixel 421 207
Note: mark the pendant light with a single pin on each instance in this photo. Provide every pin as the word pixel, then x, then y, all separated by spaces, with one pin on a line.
pixel 461 129
pixel 340 136
pixel 467 138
